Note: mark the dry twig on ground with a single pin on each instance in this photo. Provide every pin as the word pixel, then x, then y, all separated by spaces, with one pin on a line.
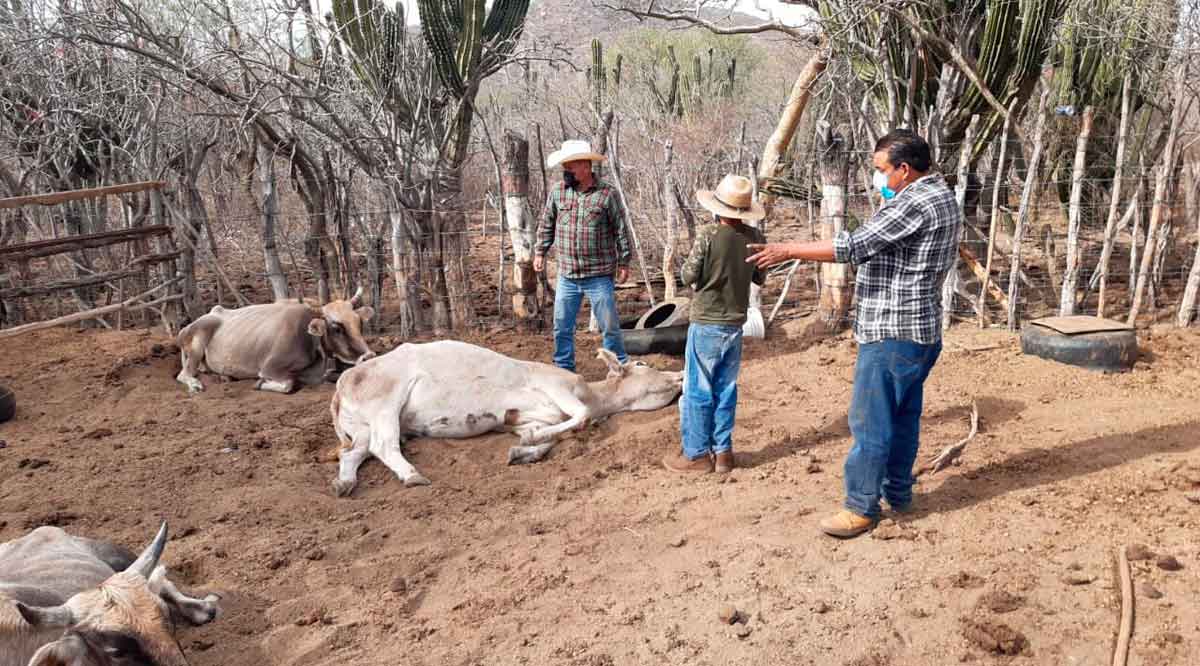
pixel 949 454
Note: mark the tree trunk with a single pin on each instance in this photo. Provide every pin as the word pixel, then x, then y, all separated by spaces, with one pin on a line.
pixel 1114 202
pixel 1160 192
pixel 1187 305
pixel 270 213
pixel 952 283
pixel 456 244
pixel 1066 302
pixel 789 119
pixel 997 188
pixel 834 300
pixel 403 261
pixel 1031 176
pixel 668 194
pixel 522 227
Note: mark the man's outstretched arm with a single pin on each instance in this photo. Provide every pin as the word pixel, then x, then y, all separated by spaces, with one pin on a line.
pixel 771 254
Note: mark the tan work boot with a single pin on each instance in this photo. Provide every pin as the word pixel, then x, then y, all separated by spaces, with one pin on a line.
pixel 677 462
pixel 724 462
pixel 845 524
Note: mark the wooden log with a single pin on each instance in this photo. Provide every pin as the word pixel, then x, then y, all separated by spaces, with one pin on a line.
pixel 63 285
pixel 53 246
pixel 127 305
pixel 76 195
pixel 155 259
pixel 981 272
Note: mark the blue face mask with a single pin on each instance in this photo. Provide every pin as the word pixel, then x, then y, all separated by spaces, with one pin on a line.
pixel 879 180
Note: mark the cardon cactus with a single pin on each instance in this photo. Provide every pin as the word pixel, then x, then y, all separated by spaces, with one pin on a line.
pixel 457 31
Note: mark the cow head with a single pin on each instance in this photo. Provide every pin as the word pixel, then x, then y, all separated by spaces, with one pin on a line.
pixel 126 621
pixel 340 329
pixel 639 387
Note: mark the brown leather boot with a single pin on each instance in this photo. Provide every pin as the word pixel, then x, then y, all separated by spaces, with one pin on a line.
pixel 724 462
pixel 846 524
pixel 679 463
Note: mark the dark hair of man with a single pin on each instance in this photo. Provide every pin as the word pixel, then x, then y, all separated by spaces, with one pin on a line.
pixel 905 146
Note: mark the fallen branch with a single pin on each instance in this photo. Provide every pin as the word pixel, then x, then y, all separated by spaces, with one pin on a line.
pixel 949 454
pixel 128 305
pixel 1121 652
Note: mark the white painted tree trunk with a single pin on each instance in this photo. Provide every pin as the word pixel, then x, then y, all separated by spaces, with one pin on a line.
pixel 1066 304
pixel 1158 211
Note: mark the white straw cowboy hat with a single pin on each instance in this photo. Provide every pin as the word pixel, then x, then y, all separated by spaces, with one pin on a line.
pixel 573 150
pixel 734 197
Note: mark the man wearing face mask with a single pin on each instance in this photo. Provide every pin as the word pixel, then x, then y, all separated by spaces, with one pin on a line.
pixel 584 220
pixel 903 255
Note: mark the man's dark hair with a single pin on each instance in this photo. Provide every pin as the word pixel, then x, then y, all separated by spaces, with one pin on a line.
pixel 905 146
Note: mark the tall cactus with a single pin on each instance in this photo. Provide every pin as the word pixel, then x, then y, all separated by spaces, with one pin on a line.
pixel 457 32
pixel 376 38
pixel 598 76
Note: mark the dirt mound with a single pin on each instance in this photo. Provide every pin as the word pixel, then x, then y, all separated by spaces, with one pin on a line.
pixel 597 555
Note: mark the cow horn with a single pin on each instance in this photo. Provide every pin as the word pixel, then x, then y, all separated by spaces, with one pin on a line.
pixel 148 560
pixel 354 300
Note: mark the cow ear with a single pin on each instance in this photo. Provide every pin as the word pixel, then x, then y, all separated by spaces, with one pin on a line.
pixel 610 359
pixel 46 617
pixel 316 327
pixel 365 313
pixel 69 649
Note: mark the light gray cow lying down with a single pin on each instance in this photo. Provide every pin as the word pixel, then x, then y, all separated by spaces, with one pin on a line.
pixel 71 601
pixel 456 390
pixel 285 345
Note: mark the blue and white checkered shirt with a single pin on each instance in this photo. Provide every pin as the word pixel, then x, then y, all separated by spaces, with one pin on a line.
pixel 903 254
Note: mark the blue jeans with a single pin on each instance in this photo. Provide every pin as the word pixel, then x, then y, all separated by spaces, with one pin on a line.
pixel 568 297
pixel 885 419
pixel 709 402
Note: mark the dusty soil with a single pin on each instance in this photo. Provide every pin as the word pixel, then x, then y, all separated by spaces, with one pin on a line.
pixel 598 556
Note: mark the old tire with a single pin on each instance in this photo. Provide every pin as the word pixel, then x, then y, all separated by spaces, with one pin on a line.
pixel 1108 351
pixel 8 404
pixel 663 340
pixel 668 313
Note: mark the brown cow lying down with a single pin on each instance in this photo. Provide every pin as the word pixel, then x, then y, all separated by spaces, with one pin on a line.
pixel 71 601
pixel 285 345
pixel 456 390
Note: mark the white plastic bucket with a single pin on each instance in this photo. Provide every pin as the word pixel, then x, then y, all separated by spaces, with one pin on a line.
pixel 754 327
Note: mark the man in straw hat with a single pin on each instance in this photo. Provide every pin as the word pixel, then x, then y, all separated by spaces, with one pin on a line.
pixel 904 253
pixel 583 218
pixel 721 277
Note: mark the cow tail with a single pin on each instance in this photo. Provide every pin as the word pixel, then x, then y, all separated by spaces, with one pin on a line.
pixel 335 410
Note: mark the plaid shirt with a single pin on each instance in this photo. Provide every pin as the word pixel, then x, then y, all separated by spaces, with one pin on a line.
pixel 588 228
pixel 904 253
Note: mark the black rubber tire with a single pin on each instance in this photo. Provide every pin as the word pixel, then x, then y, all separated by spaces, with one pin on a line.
pixel 8 404
pixel 1108 351
pixel 663 340
pixel 668 313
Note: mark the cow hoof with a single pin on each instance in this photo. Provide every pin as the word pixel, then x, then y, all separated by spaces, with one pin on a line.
pixel 343 488
pixel 416 480
pixel 520 455
pixel 195 388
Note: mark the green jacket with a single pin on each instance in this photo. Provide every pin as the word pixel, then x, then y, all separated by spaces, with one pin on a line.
pixel 718 272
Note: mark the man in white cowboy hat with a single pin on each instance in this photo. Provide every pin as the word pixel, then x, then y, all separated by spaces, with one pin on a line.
pixel 584 220
pixel 720 277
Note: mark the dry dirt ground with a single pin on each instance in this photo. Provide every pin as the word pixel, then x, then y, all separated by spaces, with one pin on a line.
pixel 598 556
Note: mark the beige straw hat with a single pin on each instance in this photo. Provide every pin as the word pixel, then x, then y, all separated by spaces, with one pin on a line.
pixel 734 197
pixel 572 150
